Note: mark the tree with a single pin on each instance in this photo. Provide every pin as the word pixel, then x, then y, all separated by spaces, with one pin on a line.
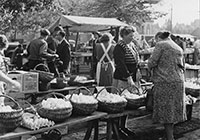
pixel 20 15
pixel 130 11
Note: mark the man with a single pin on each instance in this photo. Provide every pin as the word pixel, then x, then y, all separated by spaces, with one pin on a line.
pixel 63 51
pixel 52 46
pixel 37 50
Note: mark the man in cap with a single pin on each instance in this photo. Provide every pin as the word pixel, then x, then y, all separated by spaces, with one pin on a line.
pixel 52 47
pixel 37 50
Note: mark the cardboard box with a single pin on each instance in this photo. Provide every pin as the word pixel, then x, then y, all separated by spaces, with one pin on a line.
pixel 28 81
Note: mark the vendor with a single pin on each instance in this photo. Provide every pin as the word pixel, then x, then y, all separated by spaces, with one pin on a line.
pixel 126 60
pixel 4 69
pixel 37 50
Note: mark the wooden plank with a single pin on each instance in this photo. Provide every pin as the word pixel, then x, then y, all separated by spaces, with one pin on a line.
pixel 54 90
pixel 70 121
pixel 132 113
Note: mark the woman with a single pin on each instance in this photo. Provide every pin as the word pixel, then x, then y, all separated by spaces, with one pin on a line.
pixel 3 69
pixel 126 60
pixel 167 65
pixel 104 56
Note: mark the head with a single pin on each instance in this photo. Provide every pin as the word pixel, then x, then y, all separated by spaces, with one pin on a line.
pixel 56 30
pixel 162 36
pixel 142 37
pixel 127 33
pixel 60 35
pixel 3 42
pixel 44 33
pixel 96 35
pixel 106 38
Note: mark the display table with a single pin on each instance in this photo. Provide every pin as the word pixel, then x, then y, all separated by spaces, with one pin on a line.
pixel 93 119
pixel 192 71
pixel 34 95
pixel 112 121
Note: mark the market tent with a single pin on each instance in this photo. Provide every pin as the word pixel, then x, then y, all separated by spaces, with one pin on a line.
pixel 86 24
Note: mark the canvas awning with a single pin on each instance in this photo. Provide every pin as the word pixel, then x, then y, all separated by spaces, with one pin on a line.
pixel 86 24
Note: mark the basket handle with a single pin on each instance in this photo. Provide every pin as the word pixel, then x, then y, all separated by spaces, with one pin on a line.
pixel 118 91
pixel 131 86
pixel 6 96
pixel 41 64
pixel 32 107
pixel 79 88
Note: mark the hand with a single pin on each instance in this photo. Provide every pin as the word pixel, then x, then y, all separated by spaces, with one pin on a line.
pixel 130 81
pixel 16 84
pixel 55 55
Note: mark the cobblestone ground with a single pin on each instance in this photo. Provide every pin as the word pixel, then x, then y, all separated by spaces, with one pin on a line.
pixel 145 125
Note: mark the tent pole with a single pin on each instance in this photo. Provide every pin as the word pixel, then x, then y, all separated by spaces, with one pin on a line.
pixel 76 43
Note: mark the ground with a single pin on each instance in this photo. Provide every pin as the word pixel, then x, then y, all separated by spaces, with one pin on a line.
pixel 144 125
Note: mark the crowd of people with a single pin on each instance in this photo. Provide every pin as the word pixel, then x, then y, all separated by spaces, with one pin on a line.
pixel 117 63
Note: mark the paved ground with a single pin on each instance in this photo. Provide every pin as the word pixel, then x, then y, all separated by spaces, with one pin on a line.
pixel 146 124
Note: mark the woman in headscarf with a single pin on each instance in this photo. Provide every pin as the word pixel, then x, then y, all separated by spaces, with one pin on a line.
pixel 167 66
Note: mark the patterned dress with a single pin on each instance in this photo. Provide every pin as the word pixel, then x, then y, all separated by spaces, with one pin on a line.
pixel 167 64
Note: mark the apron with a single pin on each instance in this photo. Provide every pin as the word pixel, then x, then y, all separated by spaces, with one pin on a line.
pixel 105 69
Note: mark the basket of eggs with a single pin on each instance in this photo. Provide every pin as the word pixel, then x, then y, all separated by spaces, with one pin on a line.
pixel 134 97
pixel 55 109
pixel 111 102
pixel 10 115
pixel 83 103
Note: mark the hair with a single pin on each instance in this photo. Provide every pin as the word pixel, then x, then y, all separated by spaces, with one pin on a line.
pixel 106 37
pixel 62 33
pixel 126 30
pixel 3 42
pixel 162 35
pixel 58 28
pixel 44 32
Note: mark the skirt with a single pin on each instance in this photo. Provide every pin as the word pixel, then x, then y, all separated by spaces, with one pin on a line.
pixel 169 102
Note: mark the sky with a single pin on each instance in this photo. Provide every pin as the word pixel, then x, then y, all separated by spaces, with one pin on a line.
pixel 183 11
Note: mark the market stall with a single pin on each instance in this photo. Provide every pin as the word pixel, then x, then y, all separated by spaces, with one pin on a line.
pixel 81 24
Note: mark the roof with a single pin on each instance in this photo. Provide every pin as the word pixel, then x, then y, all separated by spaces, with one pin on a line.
pixel 87 24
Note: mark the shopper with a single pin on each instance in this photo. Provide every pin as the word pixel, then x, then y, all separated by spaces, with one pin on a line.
pixel 64 53
pixel 104 56
pixel 37 50
pixel 167 66
pixel 126 60
pixel 4 69
pixel 52 47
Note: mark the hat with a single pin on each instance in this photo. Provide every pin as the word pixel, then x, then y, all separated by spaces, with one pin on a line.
pixel 44 32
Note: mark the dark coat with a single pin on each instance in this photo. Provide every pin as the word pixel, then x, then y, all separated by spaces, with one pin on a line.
pixel 63 51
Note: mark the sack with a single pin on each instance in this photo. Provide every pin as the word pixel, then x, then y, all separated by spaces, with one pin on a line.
pixel 149 99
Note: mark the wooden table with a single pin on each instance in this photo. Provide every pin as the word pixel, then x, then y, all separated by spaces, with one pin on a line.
pixel 93 119
pixel 113 121
pixel 34 95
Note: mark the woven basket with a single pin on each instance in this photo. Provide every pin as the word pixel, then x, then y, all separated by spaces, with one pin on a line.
pixel 83 108
pixel 56 115
pixel 44 76
pixel 111 107
pixel 9 121
pixel 134 103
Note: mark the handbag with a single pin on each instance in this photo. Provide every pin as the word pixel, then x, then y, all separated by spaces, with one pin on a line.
pixel 149 99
